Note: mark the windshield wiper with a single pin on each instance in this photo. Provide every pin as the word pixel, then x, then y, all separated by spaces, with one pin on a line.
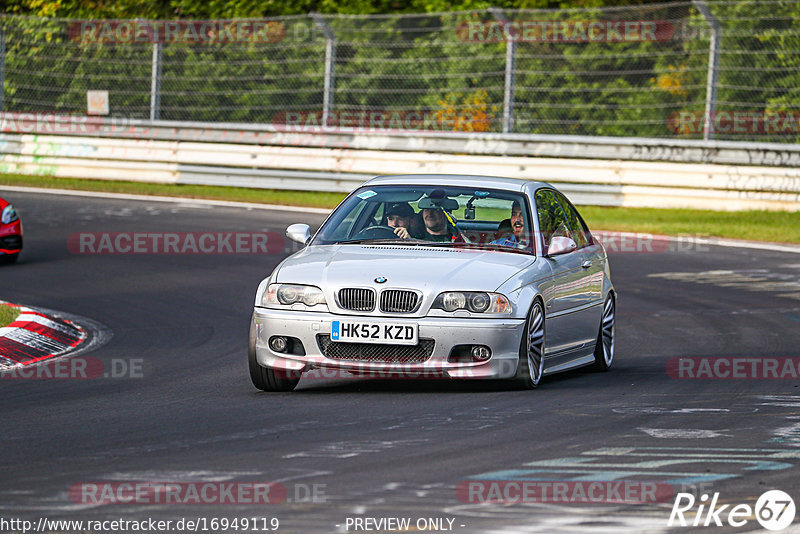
pixel 380 241
pixel 481 246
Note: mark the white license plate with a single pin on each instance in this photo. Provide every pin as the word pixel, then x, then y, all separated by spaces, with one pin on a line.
pixel 371 332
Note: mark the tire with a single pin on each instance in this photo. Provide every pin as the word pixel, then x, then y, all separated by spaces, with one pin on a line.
pixel 267 378
pixel 531 351
pixel 9 258
pixel 604 349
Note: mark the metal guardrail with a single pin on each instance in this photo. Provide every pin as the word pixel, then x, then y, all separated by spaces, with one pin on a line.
pixel 242 156
pixel 621 148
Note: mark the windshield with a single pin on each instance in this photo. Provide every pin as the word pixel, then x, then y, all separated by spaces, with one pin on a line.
pixel 423 215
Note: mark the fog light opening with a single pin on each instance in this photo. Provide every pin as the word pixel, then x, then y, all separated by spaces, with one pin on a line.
pixel 278 343
pixel 481 353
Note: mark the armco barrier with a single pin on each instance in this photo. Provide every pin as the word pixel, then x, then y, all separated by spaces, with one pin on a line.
pixel 618 172
pixel 623 148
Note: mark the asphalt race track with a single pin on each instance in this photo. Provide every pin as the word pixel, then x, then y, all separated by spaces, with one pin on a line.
pixel 374 448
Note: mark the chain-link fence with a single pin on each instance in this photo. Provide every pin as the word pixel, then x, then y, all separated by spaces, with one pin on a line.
pixel 655 70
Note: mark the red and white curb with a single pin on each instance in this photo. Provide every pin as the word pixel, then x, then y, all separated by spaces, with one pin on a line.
pixel 35 336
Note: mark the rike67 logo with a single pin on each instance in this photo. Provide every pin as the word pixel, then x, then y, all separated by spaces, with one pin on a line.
pixel 774 510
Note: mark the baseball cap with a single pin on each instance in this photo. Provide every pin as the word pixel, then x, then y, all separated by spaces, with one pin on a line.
pixel 400 208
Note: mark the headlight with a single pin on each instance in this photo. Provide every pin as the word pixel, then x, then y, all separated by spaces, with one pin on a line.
pixel 280 295
pixel 9 215
pixel 473 301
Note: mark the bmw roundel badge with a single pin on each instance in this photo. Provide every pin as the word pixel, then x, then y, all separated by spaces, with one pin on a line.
pixel 380 279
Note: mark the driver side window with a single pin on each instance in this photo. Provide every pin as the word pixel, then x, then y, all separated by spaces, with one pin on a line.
pixel 552 220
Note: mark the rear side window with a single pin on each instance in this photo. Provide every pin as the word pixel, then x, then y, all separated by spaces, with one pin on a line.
pixel 578 229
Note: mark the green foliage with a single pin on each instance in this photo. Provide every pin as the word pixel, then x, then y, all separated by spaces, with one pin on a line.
pixel 226 9
pixel 419 64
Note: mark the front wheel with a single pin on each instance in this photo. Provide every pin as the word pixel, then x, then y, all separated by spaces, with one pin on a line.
pixel 604 349
pixel 267 378
pixel 531 353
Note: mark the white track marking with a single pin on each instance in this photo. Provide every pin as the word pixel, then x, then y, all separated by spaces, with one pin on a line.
pixel 682 433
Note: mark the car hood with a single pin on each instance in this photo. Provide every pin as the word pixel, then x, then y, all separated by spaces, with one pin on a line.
pixel 424 268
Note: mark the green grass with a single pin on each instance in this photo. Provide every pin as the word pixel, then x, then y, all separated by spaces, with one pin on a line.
pixel 778 226
pixel 775 226
pixel 262 196
pixel 7 314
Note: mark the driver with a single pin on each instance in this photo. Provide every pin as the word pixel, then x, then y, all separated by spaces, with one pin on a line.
pixel 517 227
pixel 399 217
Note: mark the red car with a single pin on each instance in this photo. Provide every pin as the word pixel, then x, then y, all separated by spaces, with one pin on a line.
pixel 10 232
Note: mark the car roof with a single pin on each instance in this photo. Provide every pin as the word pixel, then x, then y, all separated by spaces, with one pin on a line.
pixel 469 180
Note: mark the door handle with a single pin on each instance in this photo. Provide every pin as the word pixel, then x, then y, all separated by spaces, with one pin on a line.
pixel 586 264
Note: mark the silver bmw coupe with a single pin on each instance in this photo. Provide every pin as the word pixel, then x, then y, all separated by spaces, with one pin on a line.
pixel 446 276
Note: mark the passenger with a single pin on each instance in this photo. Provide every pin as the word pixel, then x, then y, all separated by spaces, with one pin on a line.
pixel 399 217
pixel 516 238
pixel 436 227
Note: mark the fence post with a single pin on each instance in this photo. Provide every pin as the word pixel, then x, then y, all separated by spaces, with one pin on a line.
pixel 155 83
pixel 330 60
pixel 2 68
pixel 511 67
pixel 713 67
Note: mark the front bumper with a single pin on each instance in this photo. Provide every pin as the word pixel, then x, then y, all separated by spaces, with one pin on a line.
pixel 11 238
pixel 502 336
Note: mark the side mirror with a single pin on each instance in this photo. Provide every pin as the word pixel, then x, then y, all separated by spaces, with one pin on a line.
pixel 299 232
pixel 561 245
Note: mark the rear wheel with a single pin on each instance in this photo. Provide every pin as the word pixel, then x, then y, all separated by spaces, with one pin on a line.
pixel 267 378
pixel 604 349
pixel 9 258
pixel 531 353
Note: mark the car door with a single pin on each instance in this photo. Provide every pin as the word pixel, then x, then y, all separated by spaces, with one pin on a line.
pixel 593 259
pixel 568 303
